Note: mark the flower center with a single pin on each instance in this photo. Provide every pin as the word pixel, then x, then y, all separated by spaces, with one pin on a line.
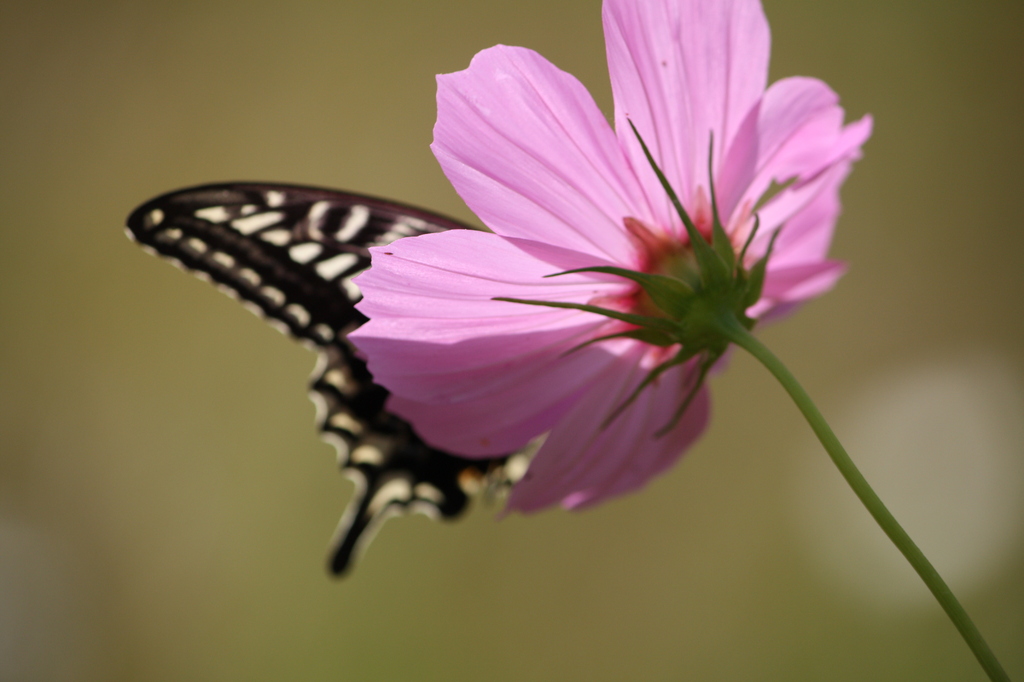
pixel 661 254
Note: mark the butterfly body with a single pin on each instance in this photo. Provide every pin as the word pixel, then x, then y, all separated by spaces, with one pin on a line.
pixel 290 253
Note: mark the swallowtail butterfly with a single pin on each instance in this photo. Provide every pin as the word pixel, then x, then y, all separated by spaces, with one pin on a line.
pixel 289 253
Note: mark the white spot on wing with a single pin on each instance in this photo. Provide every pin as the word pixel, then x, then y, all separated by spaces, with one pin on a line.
pixel 249 276
pixel 257 222
pixel 225 289
pixel 154 218
pixel 274 295
pixel 277 324
pixel 332 267
pixel 395 490
pixel 197 245
pixel 336 378
pixel 248 209
pixel 425 491
pixel 171 234
pixel 405 226
pixel 297 313
pixel 274 198
pixel 402 227
pixel 318 210
pixel 223 259
pixel 214 214
pixel 276 237
pixel 348 423
pixel 305 252
pixel 371 454
pixel 352 289
pixel 356 220
pixel 315 216
pixel 325 333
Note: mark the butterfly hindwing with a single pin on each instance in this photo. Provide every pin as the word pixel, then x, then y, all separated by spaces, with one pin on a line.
pixel 394 470
pixel 289 253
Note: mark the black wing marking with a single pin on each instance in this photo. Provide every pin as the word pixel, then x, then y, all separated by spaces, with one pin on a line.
pixel 289 253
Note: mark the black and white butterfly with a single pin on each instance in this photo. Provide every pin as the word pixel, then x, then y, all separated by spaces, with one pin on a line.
pixel 289 253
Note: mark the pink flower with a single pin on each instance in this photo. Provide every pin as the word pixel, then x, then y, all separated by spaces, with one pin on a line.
pixel 530 153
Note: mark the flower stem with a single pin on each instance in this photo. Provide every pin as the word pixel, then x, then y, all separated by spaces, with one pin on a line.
pixel 737 334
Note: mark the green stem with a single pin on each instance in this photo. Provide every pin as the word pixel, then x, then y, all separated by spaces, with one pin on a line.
pixel 737 334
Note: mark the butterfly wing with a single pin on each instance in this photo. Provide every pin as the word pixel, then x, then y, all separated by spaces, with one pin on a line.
pixel 289 253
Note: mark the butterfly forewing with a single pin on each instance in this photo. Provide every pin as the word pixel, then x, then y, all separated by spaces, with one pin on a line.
pixel 290 253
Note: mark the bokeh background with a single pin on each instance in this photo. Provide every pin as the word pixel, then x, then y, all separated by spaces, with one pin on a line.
pixel 165 503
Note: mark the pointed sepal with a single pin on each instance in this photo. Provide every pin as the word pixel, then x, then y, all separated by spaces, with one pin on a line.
pixel 679 358
pixel 672 296
pixel 757 273
pixel 713 269
pixel 650 336
pixel 720 241
pixel 656 323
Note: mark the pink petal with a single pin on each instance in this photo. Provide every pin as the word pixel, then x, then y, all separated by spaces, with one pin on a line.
pixel 795 284
pixel 680 70
pixel 798 269
pixel 455 275
pixel 794 132
pixel 507 417
pixel 809 155
pixel 801 130
pixel 807 234
pixel 581 464
pixel 799 134
pixel 531 154
pixel 443 347
pixel 806 214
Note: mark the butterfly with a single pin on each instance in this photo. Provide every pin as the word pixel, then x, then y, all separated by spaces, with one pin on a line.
pixel 289 253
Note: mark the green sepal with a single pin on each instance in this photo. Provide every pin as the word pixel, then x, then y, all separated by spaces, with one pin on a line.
pixel 722 246
pixel 679 358
pixel 756 283
pixel 741 279
pixel 651 336
pixel 672 296
pixel 658 323
pixel 750 238
pixel 719 239
pixel 681 410
pixel 712 269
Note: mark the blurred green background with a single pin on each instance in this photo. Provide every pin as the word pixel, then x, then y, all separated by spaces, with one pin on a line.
pixel 165 503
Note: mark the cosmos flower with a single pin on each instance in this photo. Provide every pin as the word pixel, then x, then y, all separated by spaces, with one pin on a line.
pixel 528 150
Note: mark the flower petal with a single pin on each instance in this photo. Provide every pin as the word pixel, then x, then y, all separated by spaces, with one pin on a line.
pixel 443 347
pixel 581 464
pixel 509 417
pixel 789 285
pixel 815 145
pixel 680 70
pixel 531 154
pixel 455 275
pixel 806 214
pixel 807 234
pixel 795 132
pixel 798 269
